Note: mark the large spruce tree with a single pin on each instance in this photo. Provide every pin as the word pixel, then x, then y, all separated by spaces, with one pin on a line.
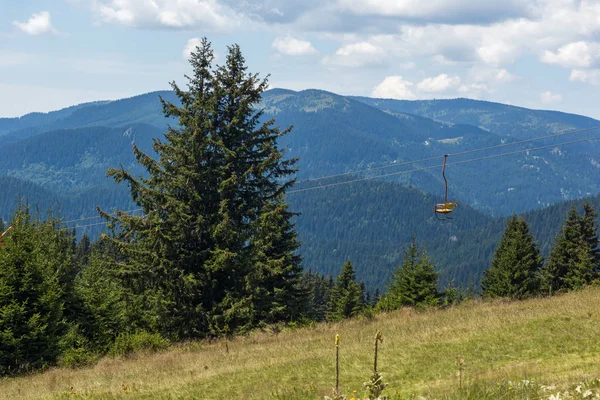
pixel 575 256
pixel 515 269
pixel 214 251
pixel 413 283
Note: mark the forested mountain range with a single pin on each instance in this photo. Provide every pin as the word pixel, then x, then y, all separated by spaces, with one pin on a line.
pixel 60 159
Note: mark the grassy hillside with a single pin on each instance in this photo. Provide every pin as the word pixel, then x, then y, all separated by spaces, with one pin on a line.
pixel 510 350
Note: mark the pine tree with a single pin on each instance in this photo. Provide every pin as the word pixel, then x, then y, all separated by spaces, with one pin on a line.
pixel 275 280
pixel 515 269
pixel 346 299
pixel 573 261
pixel 34 265
pixel 104 311
pixel 414 283
pixel 589 232
pixel 201 249
pixel 82 250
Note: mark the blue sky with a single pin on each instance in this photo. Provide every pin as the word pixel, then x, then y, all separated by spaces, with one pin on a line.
pixel 538 54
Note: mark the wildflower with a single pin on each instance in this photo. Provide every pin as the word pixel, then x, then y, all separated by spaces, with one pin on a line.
pixel 578 389
pixel 587 393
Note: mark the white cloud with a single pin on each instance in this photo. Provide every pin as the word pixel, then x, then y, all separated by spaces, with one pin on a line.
pixel 474 90
pixel 442 10
pixel 190 47
pixel 357 55
pixel 38 24
pixel 497 53
pixel 439 83
pixel 573 55
pixel 293 47
pixel 394 87
pixel 548 97
pixel 586 76
pixel 536 28
pixel 176 14
pixel 490 75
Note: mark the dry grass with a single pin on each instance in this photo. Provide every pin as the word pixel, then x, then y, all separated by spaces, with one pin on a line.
pixel 552 341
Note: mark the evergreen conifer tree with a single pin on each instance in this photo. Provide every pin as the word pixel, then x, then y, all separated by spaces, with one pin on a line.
pixel 515 269
pixel 573 261
pixel 34 267
pixel 275 280
pixel 414 283
pixel 82 250
pixel 589 232
pixel 104 312
pixel 346 299
pixel 200 255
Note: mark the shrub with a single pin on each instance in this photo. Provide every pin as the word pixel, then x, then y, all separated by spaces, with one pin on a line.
pixel 128 343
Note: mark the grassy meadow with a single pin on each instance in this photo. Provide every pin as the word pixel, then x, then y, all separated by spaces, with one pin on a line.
pixel 511 350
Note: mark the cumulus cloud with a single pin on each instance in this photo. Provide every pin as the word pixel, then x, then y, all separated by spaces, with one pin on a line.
pixel 453 11
pixel 357 55
pixel 474 90
pixel 190 47
pixel 497 53
pixel 394 87
pixel 585 76
pixel 38 24
pixel 535 28
pixel 573 55
pixel 206 14
pixel 490 75
pixel 293 47
pixel 548 97
pixel 440 83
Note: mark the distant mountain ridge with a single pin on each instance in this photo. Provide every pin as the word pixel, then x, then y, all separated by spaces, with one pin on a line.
pixel 335 134
pixel 495 117
pixel 62 157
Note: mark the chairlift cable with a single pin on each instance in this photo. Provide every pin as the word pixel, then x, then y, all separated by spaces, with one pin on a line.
pixel 392 165
pixel 439 166
pixel 411 162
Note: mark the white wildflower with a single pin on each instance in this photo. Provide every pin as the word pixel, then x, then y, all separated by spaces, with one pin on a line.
pixel 544 387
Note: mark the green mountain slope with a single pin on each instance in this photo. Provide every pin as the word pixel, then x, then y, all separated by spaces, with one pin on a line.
pixel 494 117
pixel 69 159
pixel 334 134
pixel 142 109
pixel 70 206
pixel 372 222
pixel 37 119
